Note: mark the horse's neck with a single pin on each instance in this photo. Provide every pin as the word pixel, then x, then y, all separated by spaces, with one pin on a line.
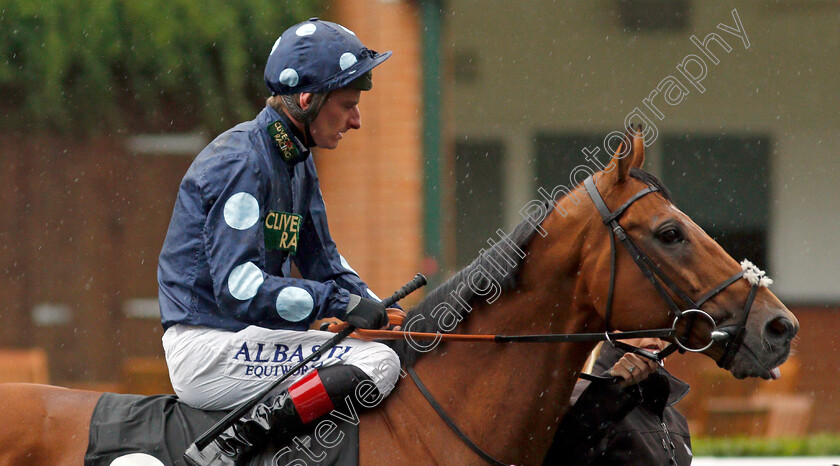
pixel 510 397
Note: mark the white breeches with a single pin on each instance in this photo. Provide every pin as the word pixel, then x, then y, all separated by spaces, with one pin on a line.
pixel 218 369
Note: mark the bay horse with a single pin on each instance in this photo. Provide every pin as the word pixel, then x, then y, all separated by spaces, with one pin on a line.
pixel 508 398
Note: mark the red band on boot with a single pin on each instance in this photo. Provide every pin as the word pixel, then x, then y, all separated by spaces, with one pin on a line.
pixel 310 397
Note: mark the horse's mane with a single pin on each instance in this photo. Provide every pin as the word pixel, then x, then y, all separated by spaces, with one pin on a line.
pixel 500 264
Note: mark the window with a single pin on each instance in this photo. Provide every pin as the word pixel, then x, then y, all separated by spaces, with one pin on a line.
pixel 478 196
pixel 723 184
pixel 559 154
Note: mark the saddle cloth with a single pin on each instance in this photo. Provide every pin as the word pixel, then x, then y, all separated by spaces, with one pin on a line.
pixel 129 430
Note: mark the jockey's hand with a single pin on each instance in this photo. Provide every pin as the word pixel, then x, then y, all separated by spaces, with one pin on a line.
pixel 366 313
pixel 633 369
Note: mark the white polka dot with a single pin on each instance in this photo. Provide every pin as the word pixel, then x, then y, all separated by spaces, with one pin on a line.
pixel 351 32
pixel 136 459
pixel 276 43
pixel 346 265
pixel 347 60
pixel 244 281
pixel 373 295
pixel 289 77
pixel 241 211
pixel 294 304
pixel 306 30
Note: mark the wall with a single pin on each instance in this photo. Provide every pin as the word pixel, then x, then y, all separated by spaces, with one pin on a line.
pixel 372 183
pixel 83 224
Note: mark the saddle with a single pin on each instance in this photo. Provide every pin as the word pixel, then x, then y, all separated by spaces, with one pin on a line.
pixel 163 427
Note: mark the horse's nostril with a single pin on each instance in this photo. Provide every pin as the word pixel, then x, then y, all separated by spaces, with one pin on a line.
pixel 780 329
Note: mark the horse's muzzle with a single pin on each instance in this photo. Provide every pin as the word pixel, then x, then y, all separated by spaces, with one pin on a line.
pixel 780 331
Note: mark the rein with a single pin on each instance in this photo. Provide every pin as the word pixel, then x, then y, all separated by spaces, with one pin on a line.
pixel 731 341
pixel 543 338
pixel 651 271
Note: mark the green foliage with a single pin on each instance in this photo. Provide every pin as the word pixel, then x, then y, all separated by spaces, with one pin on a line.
pixel 84 65
pixel 817 445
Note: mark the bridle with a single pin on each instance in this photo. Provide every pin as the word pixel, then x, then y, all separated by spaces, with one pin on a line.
pixel 660 280
pixel 731 341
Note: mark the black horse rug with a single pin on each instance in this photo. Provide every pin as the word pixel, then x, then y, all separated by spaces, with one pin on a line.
pixel 129 430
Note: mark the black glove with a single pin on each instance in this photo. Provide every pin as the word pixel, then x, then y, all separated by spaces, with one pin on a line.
pixel 365 313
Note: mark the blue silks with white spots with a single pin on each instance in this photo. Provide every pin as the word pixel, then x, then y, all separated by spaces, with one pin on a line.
pixel 241 216
pixel 318 56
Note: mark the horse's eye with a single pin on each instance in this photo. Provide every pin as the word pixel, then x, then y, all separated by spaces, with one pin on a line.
pixel 671 235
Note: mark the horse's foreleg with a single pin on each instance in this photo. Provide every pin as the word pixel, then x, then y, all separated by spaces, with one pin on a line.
pixel 41 424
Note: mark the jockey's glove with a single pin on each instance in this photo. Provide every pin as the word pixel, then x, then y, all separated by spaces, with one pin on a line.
pixel 365 313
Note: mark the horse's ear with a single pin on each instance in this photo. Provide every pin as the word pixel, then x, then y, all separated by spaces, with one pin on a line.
pixel 635 157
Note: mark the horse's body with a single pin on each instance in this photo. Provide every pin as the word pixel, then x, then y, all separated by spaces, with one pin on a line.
pixel 508 398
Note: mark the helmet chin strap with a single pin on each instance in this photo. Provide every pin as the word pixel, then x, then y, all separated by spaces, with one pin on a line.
pixel 307 116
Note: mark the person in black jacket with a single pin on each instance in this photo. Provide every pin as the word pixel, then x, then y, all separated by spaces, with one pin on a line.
pixel 631 422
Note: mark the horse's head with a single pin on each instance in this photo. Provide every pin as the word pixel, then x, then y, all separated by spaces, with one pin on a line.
pixel 753 331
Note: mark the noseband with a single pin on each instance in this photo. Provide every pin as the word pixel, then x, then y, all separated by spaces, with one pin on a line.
pixel 731 341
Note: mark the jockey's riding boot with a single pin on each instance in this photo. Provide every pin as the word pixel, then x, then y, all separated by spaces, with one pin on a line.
pixel 279 416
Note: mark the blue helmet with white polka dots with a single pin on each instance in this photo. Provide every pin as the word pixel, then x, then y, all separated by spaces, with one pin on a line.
pixel 319 56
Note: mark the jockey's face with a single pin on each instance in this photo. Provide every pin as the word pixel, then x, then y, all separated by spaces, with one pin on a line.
pixel 339 114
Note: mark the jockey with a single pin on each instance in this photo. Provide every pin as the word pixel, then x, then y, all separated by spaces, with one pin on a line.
pixel 249 205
